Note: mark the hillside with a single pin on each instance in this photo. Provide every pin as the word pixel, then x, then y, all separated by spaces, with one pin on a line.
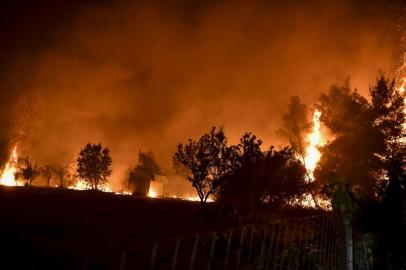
pixel 39 224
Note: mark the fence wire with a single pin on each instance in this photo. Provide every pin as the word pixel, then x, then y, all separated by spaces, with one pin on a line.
pixel 318 242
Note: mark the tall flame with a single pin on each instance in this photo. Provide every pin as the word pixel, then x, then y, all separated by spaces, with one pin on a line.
pixel 7 177
pixel 312 153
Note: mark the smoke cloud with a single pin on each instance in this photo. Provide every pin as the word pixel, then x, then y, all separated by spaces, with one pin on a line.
pixel 147 75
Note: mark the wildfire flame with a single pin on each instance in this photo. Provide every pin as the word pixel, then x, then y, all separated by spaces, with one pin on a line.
pixel 7 177
pixel 312 153
pixel 152 193
pixel 311 158
pixel 82 185
pixel 79 185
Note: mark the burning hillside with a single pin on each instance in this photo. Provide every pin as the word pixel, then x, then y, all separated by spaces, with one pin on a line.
pixel 133 88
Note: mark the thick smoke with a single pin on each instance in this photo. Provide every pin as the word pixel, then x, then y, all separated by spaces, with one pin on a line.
pixel 150 74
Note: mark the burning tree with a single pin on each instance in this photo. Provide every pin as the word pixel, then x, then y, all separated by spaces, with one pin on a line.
pixel 304 142
pixel 93 165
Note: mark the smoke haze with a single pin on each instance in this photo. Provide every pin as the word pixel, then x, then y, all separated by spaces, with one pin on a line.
pixel 150 74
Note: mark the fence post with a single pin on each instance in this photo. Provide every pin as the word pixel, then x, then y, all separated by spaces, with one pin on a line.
pixel 153 256
pixel 285 236
pixel 85 264
pixel 212 246
pixel 261 254
pixel 123 259
pixel 230 237
pixel 240 248
pixel 193 258
pixel 349 244
pixel 269 253
pixel 175 254
pixel 250 247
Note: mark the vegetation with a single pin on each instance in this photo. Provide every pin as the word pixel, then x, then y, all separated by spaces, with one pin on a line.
pixel 61 172
pixel 241 176
pixel 373 128
pixel 144 172
pixel 48 172
pixel 93 165
pixel 295 124
pixel 273 179
pixel 361 171
pixel 27 171
pixel 367 157
pixel 206 161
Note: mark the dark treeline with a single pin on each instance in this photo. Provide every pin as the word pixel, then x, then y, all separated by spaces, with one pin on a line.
pixel 242 176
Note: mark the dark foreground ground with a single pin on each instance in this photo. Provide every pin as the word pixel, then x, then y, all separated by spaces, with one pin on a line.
pixel 44 228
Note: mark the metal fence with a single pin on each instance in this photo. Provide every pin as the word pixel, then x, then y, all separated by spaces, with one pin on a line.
pixel 317 242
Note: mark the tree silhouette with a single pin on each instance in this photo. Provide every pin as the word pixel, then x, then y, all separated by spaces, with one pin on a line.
pixel 388 108
pixel 206 161
pixel 27 171
pixel 353 156
pixel 93 165
pixel 47 171
pixel 249 150
pixel 238 187
pixel 61 172
pixel 274 178
pixel 367 154
pixel 295 124
pixel 373 128
pixel 143 173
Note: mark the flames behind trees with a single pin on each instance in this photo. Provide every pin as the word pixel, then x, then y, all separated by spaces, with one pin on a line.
pixel 367 136
pixel 177 80
pixel 312 155
pixel 148 89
